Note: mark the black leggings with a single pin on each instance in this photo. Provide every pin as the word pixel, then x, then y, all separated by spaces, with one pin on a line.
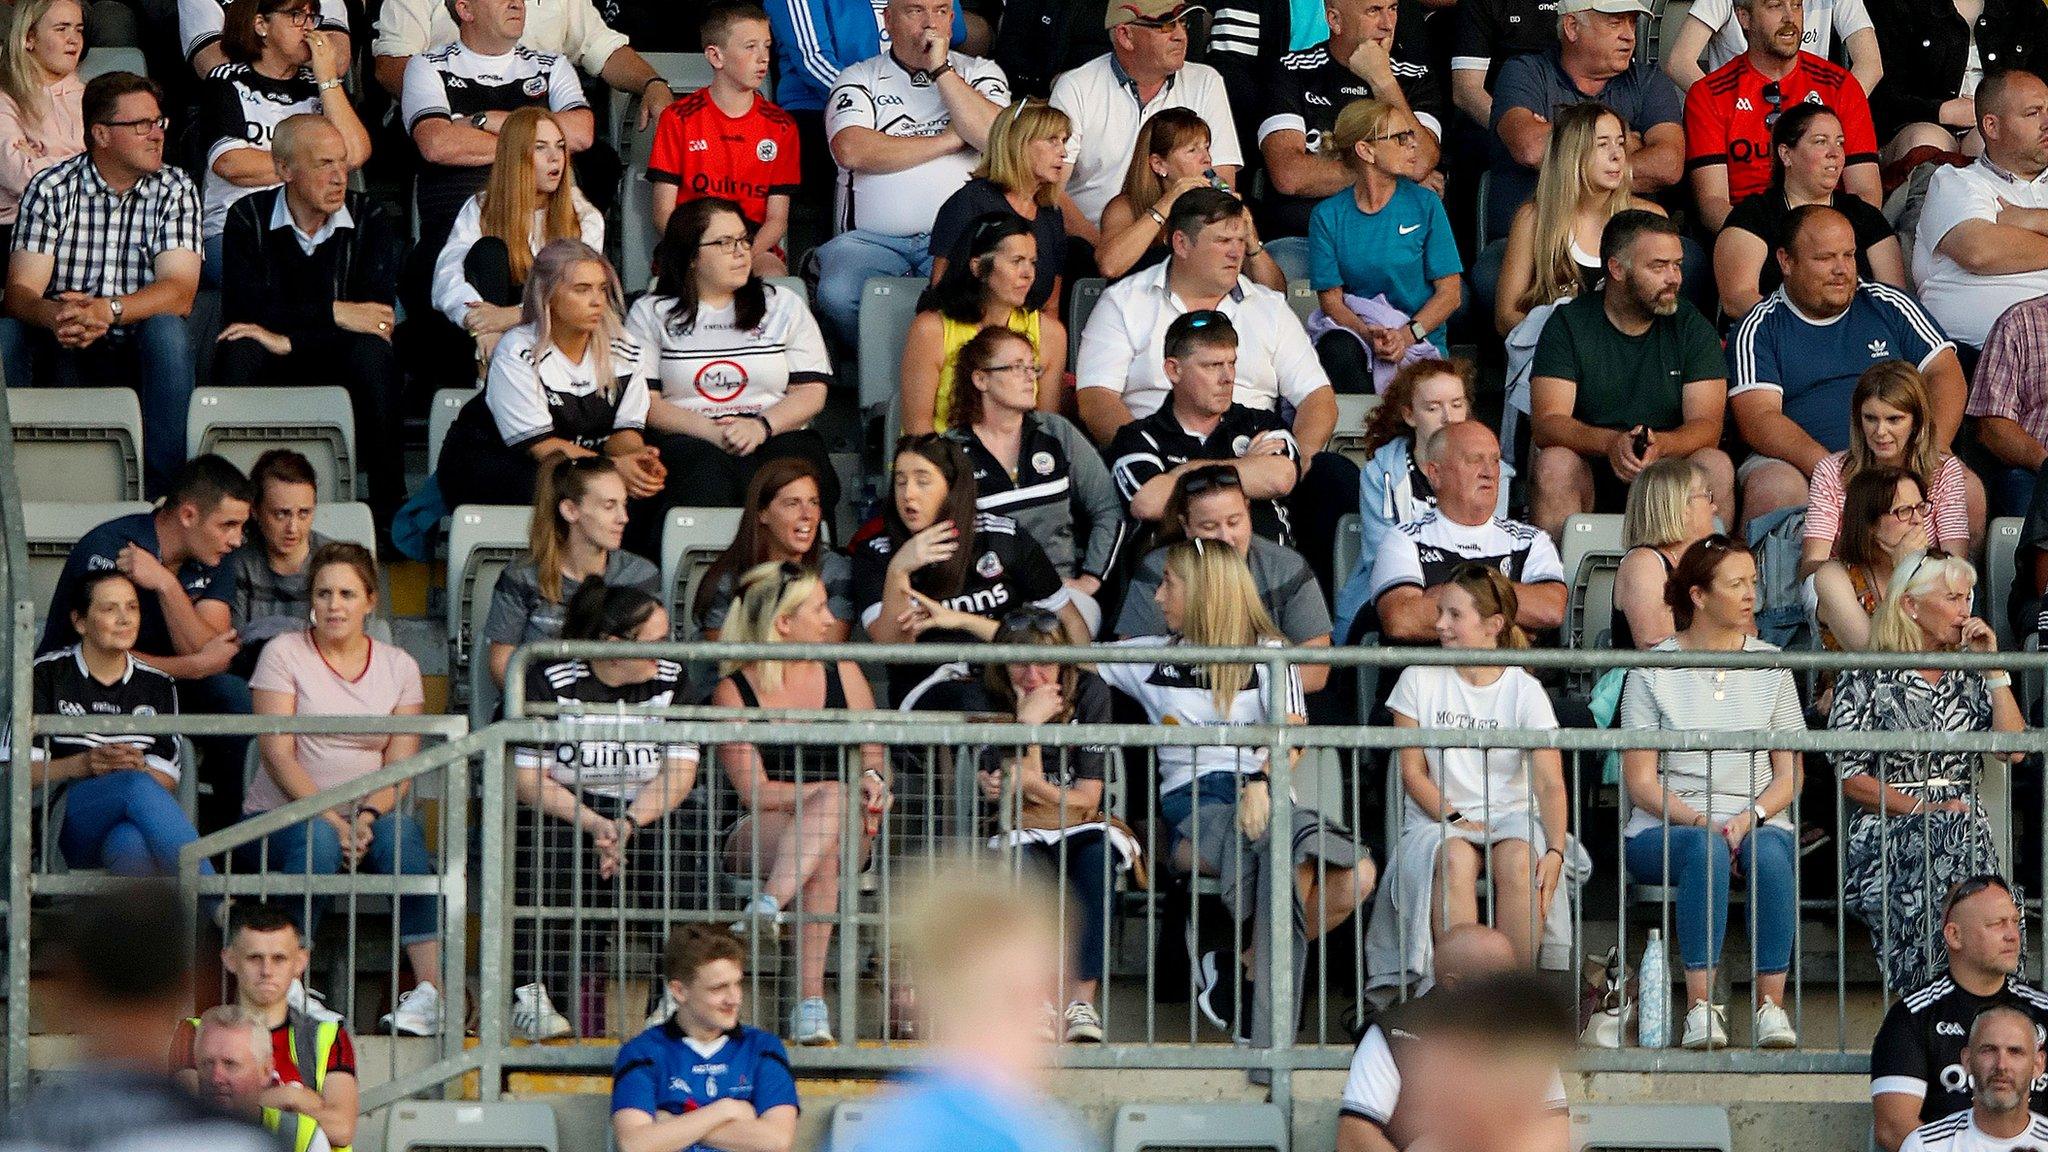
pixel 703 475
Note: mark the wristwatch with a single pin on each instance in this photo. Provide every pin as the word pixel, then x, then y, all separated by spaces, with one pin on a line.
pixel 1762 817
pixel 114 306
pixel 1416 330
pixel 944 67
pixel 480 120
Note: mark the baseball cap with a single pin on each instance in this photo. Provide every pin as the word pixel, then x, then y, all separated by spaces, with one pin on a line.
pixel 1151 12
pixel 1568 7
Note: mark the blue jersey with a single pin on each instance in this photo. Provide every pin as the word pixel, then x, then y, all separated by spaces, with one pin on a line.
pixel 814 39
pixel 662 1072
pixel 98 550
pixel 1815 364
pixel 941 1112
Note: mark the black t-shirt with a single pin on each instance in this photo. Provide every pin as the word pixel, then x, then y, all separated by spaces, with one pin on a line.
pixel 1763 214
pixel 1919 1047
pixel 62 686
pixel 604 763
pixel 1496 30
pixel 1308 90
pixel 1066 765
pixel 978 198
pixel 1145 448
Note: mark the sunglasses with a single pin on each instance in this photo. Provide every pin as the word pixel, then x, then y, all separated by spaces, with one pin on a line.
pixel 1969 887
pixel 1032 618
pixel 1773 95
pixel 1209 479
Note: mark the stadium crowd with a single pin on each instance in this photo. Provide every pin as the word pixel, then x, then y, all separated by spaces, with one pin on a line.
pixel 1782 303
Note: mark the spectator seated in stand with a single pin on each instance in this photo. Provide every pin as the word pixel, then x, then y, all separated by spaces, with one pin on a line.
pixel 236 1067
pixel 203 31
pixel 529 201
pixel 1020 177
pixel 1941 56
pixel 1711 30
pixel 1886 521
pixel 1795 359
pixel 334 668
pixel 1982 244
pixel 728 140
pixel 311 276
pixel 278 67
pixel 1209 503
pixel 579 523
pixel 2003 1062
pixel 1487 35
pixel 1807 147
pixel 700 1077
pixel 2009 398
pixel 1462 464
pixel 988 283
pixel 1037 468
pixel 741 367
pixel 1108 99
pixel 1670 508
pixel 623 794
pixel 1918 824
pixel 104 268
pixel 1552 251
pixel 1625 377
pixel 266 955
pixel 40 95
pixel 1382 259
pixel 1695 815
pixel 1729 116
pixel 781 520
pixel 176 557
pixel 1892 429
pixel 1918 1050
pixel 794 796
pixel 1170 156
pixel 906 128
pixel 273 591
pixel 1593 60
pixel 814 40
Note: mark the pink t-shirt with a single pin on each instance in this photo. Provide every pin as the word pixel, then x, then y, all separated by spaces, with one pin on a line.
pixel 292 665
pixel 1827 492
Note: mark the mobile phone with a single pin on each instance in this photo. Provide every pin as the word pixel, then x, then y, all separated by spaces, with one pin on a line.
pixel 1641 443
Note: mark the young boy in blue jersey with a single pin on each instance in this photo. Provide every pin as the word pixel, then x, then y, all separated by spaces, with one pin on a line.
pixel 703 1080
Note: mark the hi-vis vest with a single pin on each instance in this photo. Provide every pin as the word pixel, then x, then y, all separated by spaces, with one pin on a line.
pixel 310 1048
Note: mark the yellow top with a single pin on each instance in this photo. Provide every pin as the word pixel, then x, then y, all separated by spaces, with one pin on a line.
pixel 953 336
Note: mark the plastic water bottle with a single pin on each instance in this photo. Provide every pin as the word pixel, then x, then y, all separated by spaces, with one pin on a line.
pixel 1653 986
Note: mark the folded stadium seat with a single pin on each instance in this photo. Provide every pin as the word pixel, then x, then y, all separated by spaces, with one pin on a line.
pixel 242 424
pixel 794 284
pixel 1081 300
pixel 50 530
pixel 635 236
pixel 2001 569
pixel 77 444
pixel 1240 1127
pixel 887 305
pixel 1302 299
pixel 508 1125
pixel 1348 440
pixel 482 539
pixel 1650 1128
pixel 102 60
pixel 347 522
pixel 447 406
pixel 692 539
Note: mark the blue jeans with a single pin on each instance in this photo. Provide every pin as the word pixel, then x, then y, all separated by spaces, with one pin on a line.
pixel 153 356
pixel 127 823
pixel 213 252
pixel 1701 907
pixel 2014 495
pixel 848 259
pixel 397 847
pixel 1092 882
pixel 1291 254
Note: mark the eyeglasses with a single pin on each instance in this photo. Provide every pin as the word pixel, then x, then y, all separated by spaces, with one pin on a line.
pixel 1911 513
pixel 1032 618
pixel 1406 138
pixel 141 127
pixel 1021 366
pixel 1702 495
pixel 1773 96
pixel 298 17
pixel 1209 479
pixel 729 244
pixel 1969 887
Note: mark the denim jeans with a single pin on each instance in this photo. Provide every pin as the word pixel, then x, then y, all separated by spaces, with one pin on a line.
pixel 127 823
pixel 2014 495
pixel 213 252
pixel 846 262
pixel 1091 881
pixel 154 357
pixel 1769 861
pixel 397 847
pixel 1291 254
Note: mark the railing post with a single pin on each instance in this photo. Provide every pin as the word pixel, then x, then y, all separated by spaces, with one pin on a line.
pixel 455 831
pixel 19 815
pixel 1279 942
pixel 492 977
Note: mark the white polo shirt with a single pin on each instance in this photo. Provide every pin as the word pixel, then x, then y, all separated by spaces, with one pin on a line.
pixel 1965 304
pixel 1123 348
pixel 880 94
pixel 571 28
pixel 1102 101
pixel 1826 20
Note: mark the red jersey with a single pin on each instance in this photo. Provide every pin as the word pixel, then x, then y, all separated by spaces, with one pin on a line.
pixel 704 152
pixel 1726 118
pixel 340 1058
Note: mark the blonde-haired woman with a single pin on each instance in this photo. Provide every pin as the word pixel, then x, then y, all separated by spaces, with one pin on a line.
pixel 1500 812
pixel 1670 507
pixel 1381 256
pixel 1553 247
pixel 795 801
pixel 41 121
pixel 1918 825
pixel 1214 799
pixel 591 399
pixel 1171 156
pixel 1890 425
pixel 529 200
pixel 1022 172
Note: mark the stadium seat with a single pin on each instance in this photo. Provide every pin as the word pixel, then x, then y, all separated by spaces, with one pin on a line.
pixel 1344 552
pixel 448 404
pixel 1650 1128
pixel 887 305
pixel 1170 1127
pixel 244 423
pixel 1589 613
pixel 636 236
pixel 77 445
pixel 2001 568
pixel 1587 532
pixel 1349 438
pixel 482 539
pixel 794 284
pixel 690 541
pixel 499 1126
pixel 346 522
pixel 851 1120
pixel 1302 299
pixel 100 61
pixel 51 529
pixel 685 72
pixel 1081 300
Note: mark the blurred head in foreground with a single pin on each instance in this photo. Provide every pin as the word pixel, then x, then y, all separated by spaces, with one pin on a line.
pixel 1506 1031
pixel 984 951
pixel 126 979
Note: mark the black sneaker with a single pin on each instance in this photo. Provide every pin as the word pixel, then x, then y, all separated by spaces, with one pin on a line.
pixel 1217 996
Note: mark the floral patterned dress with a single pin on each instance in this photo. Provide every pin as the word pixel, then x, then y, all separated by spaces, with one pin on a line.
pixel 1900 867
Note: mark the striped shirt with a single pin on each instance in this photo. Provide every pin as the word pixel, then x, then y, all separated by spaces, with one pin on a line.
pixel 712 368
pixel 1950 521
pixel 1719 784
pixel 105 243
pixel 2008 383
pixel 1959 1133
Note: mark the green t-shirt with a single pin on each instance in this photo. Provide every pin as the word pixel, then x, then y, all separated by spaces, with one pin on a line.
pixel 1628 380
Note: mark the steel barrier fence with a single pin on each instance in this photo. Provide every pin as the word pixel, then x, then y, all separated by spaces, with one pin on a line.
pixel 541 919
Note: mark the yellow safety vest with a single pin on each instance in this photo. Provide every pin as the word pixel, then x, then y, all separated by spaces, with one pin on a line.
pixel 309 1052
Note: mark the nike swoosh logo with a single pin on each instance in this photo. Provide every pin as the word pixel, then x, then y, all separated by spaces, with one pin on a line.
pixel 1410 228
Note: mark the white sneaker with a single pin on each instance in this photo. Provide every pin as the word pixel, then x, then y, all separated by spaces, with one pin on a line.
pixel 418 1013
pixel 664 1009
pixel 534 1016
pixel 1706 1026
pixel 810 1023
pixel 1774 1027
pixel 300 999
pixel 1084 1026
pixel 761 917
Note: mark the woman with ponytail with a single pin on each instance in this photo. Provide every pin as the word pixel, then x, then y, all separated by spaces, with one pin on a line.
pixel 579 518
pixel 1501 810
